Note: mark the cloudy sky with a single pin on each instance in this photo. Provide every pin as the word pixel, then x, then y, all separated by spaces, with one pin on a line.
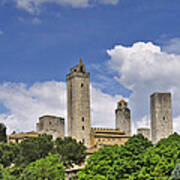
pixel 130 47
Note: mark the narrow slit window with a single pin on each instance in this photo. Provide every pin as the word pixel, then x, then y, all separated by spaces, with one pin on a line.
pixel 82 85
pixel 83 128
pixel 82 119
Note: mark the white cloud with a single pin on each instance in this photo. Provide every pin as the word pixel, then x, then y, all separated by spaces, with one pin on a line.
pixel 145 68
pixel 103 108
pixel 33 6
pixel 26 105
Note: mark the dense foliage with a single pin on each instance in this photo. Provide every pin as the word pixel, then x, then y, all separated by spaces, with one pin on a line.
pixel 34 148
pixel 29 159
pixel 116 162
pixel 5 174
pixel 70 151
pixel 41 158
pixel 8 153
pixel 50 168
pixel 137 159
pixel 160 160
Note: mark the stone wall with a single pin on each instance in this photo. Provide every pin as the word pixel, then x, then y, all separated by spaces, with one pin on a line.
pixel 145 132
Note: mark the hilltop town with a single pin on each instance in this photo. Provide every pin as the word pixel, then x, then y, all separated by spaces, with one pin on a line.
pixel 79 120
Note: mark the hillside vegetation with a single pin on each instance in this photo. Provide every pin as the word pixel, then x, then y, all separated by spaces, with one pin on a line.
pixel 41 158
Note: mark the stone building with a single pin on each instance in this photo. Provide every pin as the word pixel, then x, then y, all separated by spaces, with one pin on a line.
pixel 52 125
pixel 145 132
pixel 104 136
pixel 161 116
pixel 123 117
pixel 78 104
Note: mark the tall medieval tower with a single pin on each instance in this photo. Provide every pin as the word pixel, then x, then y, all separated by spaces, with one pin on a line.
pixel 78 104
pixel 123 117
pixel 161 116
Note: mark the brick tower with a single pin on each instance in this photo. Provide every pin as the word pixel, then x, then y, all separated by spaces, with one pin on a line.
pixel 78 104
pixel 123 117
pixel 161 116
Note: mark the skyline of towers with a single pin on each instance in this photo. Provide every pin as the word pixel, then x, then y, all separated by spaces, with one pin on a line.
pixel 78 104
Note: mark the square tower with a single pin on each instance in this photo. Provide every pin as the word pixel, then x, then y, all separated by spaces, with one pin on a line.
pixel 123 117
pixel 161 116
pixel 78 104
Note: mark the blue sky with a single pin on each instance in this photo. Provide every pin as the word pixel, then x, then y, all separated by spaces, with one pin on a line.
pixel 40 42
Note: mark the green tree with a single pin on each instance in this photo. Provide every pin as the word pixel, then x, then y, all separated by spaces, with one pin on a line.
pixel 3 137
pixel 70 151
pixel 117 162
pixel 48 168
pixel 8 153
pixel 34 148
pixel 160 160
pixel 5 174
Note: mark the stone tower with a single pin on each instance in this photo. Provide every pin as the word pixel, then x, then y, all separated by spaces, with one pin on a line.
pixel 123 117
pixel 52 125
pixel 161 116
pixel 78 104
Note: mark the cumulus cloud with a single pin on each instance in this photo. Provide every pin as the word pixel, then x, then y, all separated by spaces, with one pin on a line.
pixel 27 104
pixel 103 108
pixel 144 68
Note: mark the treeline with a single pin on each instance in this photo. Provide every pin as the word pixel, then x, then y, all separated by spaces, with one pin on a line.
pixel 137 159
pixel 40 158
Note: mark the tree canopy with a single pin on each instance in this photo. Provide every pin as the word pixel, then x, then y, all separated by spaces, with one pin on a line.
pixel 8 153
pixel 70 151
pixel 116 162
pixel 137 159
pixel 48 168
pixel 34 148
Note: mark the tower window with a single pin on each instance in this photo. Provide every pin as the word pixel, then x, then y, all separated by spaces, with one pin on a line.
pixel 82 119
pixel 164 118
pixel 82 85
pixel 83 128
pixel 83 141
